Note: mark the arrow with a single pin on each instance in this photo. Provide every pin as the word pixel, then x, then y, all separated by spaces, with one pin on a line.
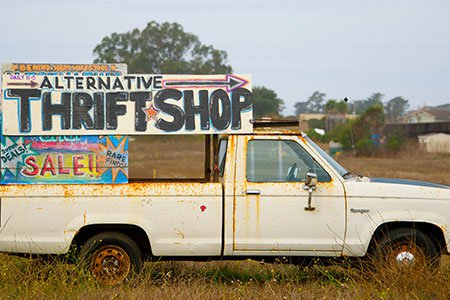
pixel 32 83
pixel 231 82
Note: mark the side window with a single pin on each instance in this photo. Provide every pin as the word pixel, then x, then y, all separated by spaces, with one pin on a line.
pixel 280 161
pixel 222 156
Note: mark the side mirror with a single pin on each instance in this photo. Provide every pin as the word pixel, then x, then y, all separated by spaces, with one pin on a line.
pixel 311 180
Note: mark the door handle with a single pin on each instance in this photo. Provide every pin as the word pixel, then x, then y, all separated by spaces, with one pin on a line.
pixel 253 192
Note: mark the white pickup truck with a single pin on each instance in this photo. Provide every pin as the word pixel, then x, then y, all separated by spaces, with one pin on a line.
pixel 276 194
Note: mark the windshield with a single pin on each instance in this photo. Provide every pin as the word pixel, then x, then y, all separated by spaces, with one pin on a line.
pixel 341 170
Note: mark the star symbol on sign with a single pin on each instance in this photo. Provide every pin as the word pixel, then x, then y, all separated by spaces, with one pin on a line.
pixel 14 153
pixel 150 113
pixel 107 157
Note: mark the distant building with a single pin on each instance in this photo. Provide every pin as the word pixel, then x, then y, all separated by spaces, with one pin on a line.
pixel 331 120
pixel 304 118
pixel 422 122
pixel 435 142
pixel 427 115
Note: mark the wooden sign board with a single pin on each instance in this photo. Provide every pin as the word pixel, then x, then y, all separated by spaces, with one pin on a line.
pixel 40 100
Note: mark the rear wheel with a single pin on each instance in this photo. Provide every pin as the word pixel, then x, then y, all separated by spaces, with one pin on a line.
pixel 407 248
pixel 111 257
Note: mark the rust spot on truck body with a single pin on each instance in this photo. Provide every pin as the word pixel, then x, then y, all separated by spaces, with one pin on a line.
pixel 179 233
pixel 278 132
pixel 327 185
pixel 111 190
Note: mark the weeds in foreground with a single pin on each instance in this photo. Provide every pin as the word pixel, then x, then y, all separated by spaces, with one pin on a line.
pixel 27 278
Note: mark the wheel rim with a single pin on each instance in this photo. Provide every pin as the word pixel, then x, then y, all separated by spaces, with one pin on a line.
pixel 406 256
pixel 110 264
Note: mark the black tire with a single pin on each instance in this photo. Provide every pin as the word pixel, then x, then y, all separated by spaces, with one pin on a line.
pixel 111 257
pixel 406 248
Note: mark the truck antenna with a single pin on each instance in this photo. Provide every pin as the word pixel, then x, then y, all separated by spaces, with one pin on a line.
pixel 351 131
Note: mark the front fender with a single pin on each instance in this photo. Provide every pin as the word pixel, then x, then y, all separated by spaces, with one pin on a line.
pixel 372 204
pixel 362 228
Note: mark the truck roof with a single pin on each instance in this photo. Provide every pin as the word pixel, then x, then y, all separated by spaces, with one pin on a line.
pixel 268 131
pixel 277 127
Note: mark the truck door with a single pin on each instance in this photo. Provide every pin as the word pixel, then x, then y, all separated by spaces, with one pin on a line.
pixel 270 200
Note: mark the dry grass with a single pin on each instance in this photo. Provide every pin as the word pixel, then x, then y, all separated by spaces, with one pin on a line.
pixel 162 157
pixel 38 279
pixel 26 278
pixel 425 167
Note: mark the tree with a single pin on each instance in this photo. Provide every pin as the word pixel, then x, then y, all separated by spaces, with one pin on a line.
pixel 335 107
pixel 316 101
pixel 395 109
pixel 375 100
pixel 365 131
pixel 316 123
pixel 334 113
pixel 360 106
pixel 443 106
pixel 373 118
pixel 266 102
pixel 312 105
pixel 301 108
pixel 161 48
pixel 342 133
pixel 368 130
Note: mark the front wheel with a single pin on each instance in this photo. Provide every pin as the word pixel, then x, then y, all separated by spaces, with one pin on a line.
pixel 111 257
pixel 406 248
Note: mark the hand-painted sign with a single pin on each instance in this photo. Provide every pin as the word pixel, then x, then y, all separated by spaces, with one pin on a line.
pixel 96 103
pixel 62 69
pixel 61 159
pixel 64 159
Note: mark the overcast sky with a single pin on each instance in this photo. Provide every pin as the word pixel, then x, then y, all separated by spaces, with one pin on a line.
pixel 346 48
